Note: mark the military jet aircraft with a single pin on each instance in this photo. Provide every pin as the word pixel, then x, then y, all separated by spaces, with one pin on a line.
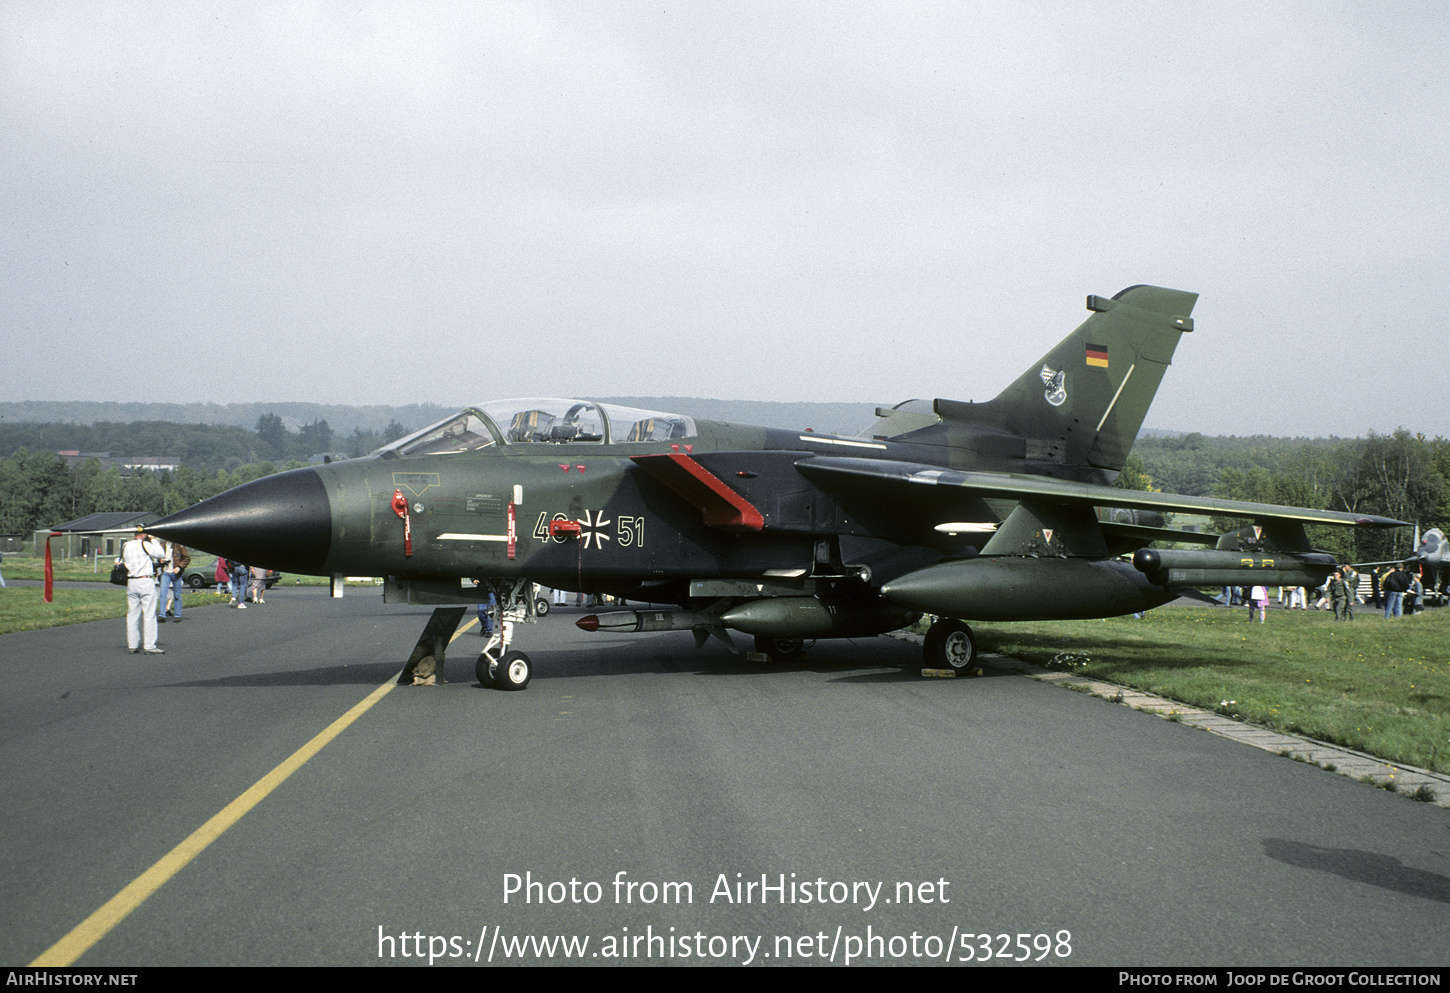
pixel 999 510
pixel 1432 558
pixel 1430 561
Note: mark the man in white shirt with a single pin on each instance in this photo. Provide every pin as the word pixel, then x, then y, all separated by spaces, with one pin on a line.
pixel 140 556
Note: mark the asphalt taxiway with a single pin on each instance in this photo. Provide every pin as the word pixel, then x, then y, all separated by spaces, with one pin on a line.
pixel 1037 822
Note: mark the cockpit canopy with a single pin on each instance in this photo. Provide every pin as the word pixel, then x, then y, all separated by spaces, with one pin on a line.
pixel 542 421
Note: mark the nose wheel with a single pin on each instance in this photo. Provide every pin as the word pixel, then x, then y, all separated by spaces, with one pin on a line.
pixel 512 672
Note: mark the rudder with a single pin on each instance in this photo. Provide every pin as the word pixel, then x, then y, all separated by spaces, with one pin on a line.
pixel 1082 404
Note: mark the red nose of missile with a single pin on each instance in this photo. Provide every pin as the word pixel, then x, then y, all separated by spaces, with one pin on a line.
pixel 589 622
pixel 281 522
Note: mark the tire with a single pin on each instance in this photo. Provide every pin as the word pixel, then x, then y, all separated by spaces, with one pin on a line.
pixel 541 607
pixel 951 645
pixel 483 670
pixel 781 649
pixel 513 671
pixel 195 581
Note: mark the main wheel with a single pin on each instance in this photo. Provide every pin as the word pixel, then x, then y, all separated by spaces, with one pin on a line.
pixel 513 671
pixel 782 649
pixel 541 607
pixel 949 644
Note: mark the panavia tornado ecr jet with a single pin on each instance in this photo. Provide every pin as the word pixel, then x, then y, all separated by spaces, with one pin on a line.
pixel 996 511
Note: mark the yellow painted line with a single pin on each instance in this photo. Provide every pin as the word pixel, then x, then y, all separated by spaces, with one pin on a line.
pixel 95 927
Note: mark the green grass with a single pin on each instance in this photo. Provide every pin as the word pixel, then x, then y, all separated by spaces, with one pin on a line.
pixel 26 566
pixel 70 570
pixel 23 609
pixel 1377 686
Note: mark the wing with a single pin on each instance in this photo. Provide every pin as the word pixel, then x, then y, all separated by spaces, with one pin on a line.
pixel 915 505
pixel 900 479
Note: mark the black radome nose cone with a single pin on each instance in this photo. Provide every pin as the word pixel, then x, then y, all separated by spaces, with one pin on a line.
pixel 281 522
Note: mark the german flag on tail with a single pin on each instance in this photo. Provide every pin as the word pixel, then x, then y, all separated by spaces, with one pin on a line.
pixel 1097 355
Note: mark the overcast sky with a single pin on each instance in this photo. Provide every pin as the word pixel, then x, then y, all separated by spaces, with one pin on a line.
pixel 431 202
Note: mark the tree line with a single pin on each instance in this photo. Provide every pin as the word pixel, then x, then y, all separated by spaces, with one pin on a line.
pixel 39 489
pixel 207 448
pixel 1401 475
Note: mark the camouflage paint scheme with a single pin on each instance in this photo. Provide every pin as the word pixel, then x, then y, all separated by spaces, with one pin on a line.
pixel 1001 510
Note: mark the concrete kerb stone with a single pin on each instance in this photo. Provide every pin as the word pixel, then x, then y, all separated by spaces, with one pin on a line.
pixel 1334 758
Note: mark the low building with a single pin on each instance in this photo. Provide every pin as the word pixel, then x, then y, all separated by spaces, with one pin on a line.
pixel 150 463
pixel 93 534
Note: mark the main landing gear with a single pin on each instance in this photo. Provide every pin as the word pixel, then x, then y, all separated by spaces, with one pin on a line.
pixel 781 649
pixel 950 644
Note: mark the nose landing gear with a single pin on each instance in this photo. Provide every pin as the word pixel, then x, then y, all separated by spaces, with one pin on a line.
pixel 497 665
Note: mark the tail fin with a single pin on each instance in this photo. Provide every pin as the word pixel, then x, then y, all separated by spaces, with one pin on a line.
pixel 1080 406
